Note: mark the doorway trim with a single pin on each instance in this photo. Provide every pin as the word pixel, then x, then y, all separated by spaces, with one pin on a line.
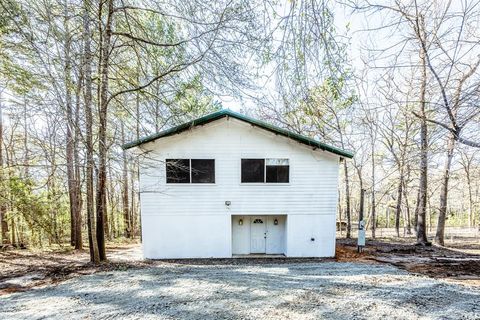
pixel 275 227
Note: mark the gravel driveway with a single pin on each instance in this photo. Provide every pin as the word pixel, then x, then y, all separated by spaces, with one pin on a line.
pixel 328 290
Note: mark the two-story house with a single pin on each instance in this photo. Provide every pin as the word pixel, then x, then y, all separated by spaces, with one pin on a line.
pixel 226 184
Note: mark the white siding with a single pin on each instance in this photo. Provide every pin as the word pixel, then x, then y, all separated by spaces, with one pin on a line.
pixel 185 236
pixel 301 229
pixel 241 243
pixel 312 191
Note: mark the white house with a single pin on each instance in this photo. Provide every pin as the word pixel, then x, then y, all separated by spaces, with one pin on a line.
pixel 226 185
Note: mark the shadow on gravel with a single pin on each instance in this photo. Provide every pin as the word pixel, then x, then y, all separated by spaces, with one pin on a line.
pixel 300 290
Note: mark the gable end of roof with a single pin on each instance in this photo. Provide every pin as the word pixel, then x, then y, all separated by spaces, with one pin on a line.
pixel 228 113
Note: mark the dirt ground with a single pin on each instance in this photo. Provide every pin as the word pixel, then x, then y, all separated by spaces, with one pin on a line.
pixel 22 270
pixel 459 262
pixel 390 278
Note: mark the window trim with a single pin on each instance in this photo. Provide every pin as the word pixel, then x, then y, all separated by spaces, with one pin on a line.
pixel 190 171
pixel 265 172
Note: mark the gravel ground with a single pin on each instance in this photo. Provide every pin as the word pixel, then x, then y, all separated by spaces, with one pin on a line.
pixel 328 290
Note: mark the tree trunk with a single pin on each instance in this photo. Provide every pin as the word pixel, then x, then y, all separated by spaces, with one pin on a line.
pixel 69 124
pixel 157 108
pixel 466 164
pixel 77 166
pixel 26 150
pixel 373 212
pixel 417 209
pixel 422 196
pixel 3 199
pixel 362 206
pixel 137 213
pixel 470 198
pixel 422 199
pixel 132 202
pixel 9 154
pixel 387 217
pixel 102 133
pixel 442 213
pixel 398 208
pixel 125 202
pixel 111 203
pixel 77 173
pixel 92 240
pixel 340 214
pixel 14 239
pixel 347 200
pixel 361 214
pixel 407 210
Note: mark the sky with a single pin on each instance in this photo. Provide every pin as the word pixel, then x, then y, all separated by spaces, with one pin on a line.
pixel 366 40
pixel 363 42
pixel 353 25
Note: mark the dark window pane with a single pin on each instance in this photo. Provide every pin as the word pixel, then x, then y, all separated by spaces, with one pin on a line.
pixel 253 170
pixel 203 171
pixel 278 174
pixel 178 170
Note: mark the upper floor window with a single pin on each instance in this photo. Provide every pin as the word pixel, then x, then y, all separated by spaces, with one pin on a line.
pixel 278 170
pixel 203 170
pixel 265 170
pixel 253 170
pixel 178 170
pixel 190 170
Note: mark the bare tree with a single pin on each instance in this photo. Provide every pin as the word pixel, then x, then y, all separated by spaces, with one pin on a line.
pixel 3 207
pixel 90 164
pixel 467 161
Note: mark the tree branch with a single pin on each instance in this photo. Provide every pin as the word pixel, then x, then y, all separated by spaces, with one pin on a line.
pixel 467 142
pixel 179 67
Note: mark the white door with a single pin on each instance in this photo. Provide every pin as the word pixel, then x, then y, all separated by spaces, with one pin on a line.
pixel 258 234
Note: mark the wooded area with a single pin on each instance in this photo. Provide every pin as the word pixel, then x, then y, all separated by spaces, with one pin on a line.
pixel 80 78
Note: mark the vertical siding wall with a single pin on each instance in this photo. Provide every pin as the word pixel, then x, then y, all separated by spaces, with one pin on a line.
pixel 192 220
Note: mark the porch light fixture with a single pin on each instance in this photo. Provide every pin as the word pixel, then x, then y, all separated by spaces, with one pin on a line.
pixel 240 222
pixel 275 222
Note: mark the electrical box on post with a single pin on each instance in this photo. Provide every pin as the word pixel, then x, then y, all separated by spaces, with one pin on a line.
pixel 361 236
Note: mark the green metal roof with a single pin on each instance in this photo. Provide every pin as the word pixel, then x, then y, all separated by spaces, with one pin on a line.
pixel 228 113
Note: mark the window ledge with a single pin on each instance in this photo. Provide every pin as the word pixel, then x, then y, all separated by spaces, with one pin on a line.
pixel 190 184
pixel 265 184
